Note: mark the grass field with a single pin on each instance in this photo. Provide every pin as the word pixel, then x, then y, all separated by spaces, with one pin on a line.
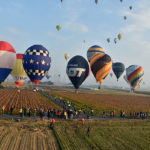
pixel 104 135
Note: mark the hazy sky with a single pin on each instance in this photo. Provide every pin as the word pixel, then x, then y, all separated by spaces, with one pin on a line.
pixel 28 22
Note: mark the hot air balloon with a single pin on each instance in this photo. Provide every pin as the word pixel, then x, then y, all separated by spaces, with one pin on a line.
pixel 119 36
pixel 62 0
pixel 111 74
pixel 48 75
pixel 58 27
pixel 94 50
pixel 101 65
pixel 96 1
pixel 121 0
pixel 77 70
pixel 7 59
pixel 67 56
pixel 115 40
pixel 134 75
pixel 108 40
pixel 18 73
pixel 130 7
pixel 36 62
pixel 118 69
pixel 125 17
pixel 126 79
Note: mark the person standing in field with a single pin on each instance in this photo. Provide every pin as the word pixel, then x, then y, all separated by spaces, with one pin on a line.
pixel 20 112
pixel 82 121
pixel 52 123
pixel 88 131
pixel 11 110
pixel 3 109
pixel 8 110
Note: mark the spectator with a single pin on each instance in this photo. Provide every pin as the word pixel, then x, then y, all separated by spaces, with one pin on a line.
pixel 82 121
pixel 8 110
pixel 11 110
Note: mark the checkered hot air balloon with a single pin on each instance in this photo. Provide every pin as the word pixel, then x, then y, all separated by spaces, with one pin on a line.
pixel 7 59
pixel 101 65
pixel 134 75
pixel 36 62
pixel 18 73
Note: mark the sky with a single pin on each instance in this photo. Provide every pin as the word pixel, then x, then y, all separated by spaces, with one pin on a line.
pixel 28 22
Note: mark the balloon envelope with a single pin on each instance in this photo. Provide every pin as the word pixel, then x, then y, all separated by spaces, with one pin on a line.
pixel 36 62
pixel 77 70
pixel 67 56
pixel 58 27
pixel 118 69
pixel 18 73
pixel 7 59
pixel 101 65
pixel 119 36
pixel 134 75
pixel 94 50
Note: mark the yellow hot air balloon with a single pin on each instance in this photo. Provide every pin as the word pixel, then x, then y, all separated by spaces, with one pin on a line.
pixel 58 27
pixel 18 73
pixel 119 36
pixel 67 56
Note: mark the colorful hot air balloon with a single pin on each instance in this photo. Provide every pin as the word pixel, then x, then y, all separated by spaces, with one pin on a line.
pixel 77 70
pixel 101 65
pixel 58 27
pixel 119 36
pixel 7 59
pixel 36 62
pixel 96 1
pixel 134 75
pixel 118 69
pixel 18 73
pixel 67 56
pixel 94 50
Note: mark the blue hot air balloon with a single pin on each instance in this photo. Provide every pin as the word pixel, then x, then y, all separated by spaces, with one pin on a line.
pixel 7 59
pixel 118 69
pixel 77 70
pixel 36 62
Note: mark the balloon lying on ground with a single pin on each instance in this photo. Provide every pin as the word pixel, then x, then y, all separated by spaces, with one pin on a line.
pixel 101 65
pixel 77 70
pixel 134 75
pixel 94 50
pixel 18 73
pixel 67 56
pixel 36 62
pixel 118 69
pixel 7 59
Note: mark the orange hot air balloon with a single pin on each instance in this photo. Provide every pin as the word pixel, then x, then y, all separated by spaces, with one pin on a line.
pixel 18 73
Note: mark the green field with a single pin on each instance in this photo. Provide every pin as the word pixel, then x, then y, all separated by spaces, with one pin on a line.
pixel 104 135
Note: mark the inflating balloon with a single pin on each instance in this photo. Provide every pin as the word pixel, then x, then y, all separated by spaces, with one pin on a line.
pixel 118 69
pixel 134 75
pixel 77 70
pixel 7 59
pixel 36 62
pixel 101 65
pixel 18 73
pixel 94 50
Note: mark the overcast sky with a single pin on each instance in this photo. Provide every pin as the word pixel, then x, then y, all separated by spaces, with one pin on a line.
pixel 28 22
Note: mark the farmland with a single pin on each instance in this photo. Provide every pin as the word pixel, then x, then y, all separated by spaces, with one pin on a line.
pixel 106 100
pixel 26 135
pixel 24 98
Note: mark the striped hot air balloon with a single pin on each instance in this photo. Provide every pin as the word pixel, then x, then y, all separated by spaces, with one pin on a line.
pixel 18 73
pixel 7 59
pixel 36 62
pixel 101 65
pixel 94 50
pixel 134 75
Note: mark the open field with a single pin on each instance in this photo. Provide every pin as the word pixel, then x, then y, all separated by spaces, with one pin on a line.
pixel 106 100
pixel 26 135
pixel 104 135
pixel 24 98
